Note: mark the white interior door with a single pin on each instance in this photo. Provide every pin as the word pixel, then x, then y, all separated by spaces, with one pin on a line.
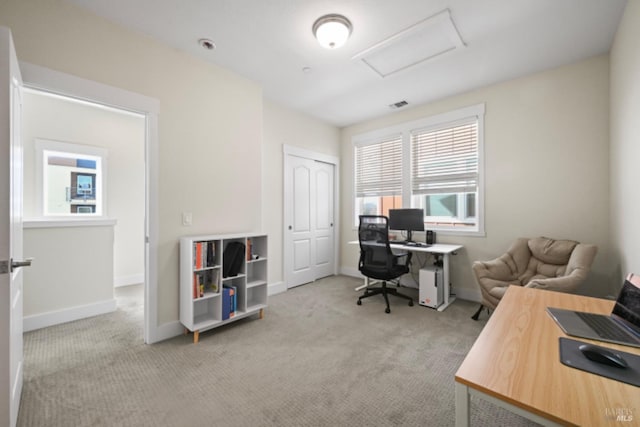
pixel 322 190
pixel 299 222
pixel 11 356
pixel 309 242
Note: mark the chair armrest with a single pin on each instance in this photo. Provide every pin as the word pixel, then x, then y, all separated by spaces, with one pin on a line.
pixel 561 284
pixel 496 269
pixel 577 271
pixel 582 257
pixel 400 261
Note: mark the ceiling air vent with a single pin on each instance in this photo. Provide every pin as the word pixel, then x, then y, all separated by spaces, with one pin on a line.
pixel 399 104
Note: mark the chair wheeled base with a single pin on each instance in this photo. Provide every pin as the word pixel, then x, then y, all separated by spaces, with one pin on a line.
pixel 384 290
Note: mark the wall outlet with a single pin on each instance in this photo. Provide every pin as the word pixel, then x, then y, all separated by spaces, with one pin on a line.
pixel 187 219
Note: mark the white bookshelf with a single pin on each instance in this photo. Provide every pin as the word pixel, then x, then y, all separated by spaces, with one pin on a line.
pixel 202 281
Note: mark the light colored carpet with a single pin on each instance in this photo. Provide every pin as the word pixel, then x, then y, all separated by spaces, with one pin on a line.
pixel 316 359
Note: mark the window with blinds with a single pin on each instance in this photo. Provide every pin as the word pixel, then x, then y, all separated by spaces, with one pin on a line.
pixel 379 168
pixel 445 160
pixel 433 163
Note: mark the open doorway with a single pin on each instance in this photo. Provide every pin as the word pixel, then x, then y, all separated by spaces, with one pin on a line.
pixel 84 164
pixel 55 82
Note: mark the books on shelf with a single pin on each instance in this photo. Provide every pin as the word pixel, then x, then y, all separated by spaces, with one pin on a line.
pixel 204 255
pixel 229 301
pixel 205 282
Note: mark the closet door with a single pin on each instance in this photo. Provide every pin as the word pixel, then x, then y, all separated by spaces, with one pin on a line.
pixel 322 191
pixel 309 250
pixel 300 221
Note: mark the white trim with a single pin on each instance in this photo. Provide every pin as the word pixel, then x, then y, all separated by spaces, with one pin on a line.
pixel 59 83
pixel 48 80
pixel 473 295
pixel 132 279
pixel 38 321
pixel 308 154
pixel 152 234
pixel 68 222
pixel 351 272
pixel 427 122
pixel 276 288
pixel 165 331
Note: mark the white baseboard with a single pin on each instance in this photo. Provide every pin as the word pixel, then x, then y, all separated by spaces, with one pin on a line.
pixel 133 279
pixel 276 288
pixel 38 321
pixel 350 271
pixel 468 294
pixel 166 331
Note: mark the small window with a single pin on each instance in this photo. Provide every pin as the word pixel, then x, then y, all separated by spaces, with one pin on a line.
pixel 72 179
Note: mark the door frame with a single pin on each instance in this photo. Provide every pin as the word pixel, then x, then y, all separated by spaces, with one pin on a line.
pixel 52 81
pixel 289 150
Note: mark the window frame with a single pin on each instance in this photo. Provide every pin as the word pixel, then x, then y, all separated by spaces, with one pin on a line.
pixel 47 145
pixel 437 121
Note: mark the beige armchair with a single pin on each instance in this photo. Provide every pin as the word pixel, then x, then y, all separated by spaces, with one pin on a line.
pixel 557 265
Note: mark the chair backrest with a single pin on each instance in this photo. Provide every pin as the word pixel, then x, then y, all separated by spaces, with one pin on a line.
pixel 376 256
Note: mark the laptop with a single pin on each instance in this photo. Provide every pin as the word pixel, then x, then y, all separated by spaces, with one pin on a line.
pixel 621 327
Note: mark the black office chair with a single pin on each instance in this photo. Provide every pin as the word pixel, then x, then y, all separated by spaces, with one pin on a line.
pixel 377 261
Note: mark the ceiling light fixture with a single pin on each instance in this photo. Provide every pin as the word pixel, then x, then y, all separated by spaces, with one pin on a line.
pixel 332 31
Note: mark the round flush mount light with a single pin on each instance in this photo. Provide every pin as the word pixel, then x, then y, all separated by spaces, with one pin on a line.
pixel 207 44
pixel 332 31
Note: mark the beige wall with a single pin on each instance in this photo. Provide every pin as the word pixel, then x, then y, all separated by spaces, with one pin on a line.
pixel 546 169
pixel 61 252
pixel 286 127
pixel 546 142
pixel 625 143
pixel 210 121
pixel 122 135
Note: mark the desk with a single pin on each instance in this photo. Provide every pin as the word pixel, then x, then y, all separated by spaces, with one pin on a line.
pixel 437 249
pixel 515 364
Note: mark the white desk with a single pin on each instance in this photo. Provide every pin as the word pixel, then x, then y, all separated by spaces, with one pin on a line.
pixel 437 249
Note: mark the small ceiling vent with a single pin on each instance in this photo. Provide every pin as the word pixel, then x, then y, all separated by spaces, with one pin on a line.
pixel 399 104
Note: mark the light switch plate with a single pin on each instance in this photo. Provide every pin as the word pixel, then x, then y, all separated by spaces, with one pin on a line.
pixel 187 218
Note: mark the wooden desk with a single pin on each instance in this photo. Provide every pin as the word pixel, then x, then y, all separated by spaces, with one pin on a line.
pixel 437 249
pixel 515 364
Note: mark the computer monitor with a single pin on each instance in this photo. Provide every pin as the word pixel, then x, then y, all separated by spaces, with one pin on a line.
pixel 408 220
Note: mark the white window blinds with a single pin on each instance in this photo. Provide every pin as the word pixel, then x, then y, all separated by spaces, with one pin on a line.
pixel 379 168
pixel 445 160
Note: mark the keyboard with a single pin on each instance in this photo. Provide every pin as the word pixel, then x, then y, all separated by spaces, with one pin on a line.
pixel 418 244
pixel 603 326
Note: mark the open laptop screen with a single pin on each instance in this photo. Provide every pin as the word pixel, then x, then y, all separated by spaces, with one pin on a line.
pixel 628 304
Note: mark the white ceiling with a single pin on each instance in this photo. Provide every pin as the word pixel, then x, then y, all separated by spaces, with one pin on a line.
pixel 270 42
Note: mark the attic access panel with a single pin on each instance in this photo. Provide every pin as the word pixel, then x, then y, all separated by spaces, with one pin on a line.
pixel 420 42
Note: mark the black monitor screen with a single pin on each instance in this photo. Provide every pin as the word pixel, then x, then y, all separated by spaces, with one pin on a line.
pixel 406 219
pixel 628 305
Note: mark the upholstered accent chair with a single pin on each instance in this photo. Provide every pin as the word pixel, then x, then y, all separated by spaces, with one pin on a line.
pixel 541 262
